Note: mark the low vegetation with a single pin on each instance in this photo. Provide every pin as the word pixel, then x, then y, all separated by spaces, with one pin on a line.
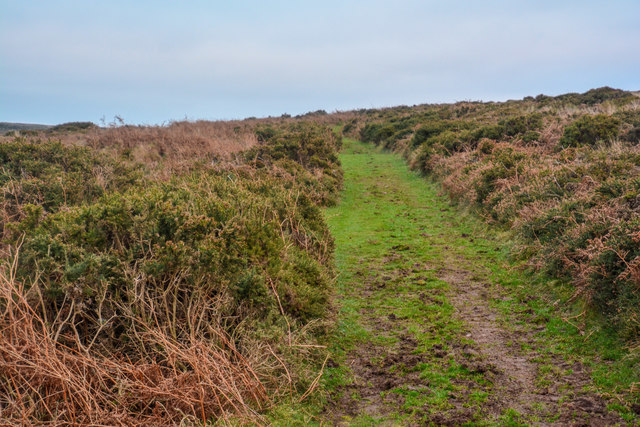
pixel 129 299
pixel 563 173
pixel 184 273
pixel 438 327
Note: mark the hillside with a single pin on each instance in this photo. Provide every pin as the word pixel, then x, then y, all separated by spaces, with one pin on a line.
pixel 473 263
pixel 7 127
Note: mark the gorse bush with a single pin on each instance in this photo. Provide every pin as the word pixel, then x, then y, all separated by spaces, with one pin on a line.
pixel 426 132
pixel 589 130
pixel 191 298
pixel 549 169
pixel 203 237
pixel 377 133
pixel 44 176
pixel 525 127
pixel 598 96
pixel 309 153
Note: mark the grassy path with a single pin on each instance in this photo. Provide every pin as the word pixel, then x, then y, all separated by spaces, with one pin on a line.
pixel 428 331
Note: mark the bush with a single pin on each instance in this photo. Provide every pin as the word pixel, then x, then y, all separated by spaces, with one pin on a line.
pixel 486 146
pixel 348 127
pixel 520 125
pixel 530 136
pixel 50 175
pixel 494 132
pixel 589 130
pixel 376 133
pixel 185 298
pixel 597 96
pixel 633 135
pixel 308 153
pixel 426 132
pixel 614 278
pixel 265 133
pixel 204 237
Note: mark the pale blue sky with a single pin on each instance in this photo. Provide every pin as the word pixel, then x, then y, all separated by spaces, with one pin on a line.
pixel 154 61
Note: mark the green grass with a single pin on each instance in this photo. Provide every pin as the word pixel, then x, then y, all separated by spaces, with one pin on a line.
pixel 391 220
pixel 379 228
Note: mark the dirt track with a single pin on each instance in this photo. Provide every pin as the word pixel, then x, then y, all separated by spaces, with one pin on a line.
pixel 434 348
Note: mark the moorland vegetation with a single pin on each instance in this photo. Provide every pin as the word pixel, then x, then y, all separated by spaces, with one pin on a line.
pixel 563 173
pixel 157 276
pixel 185 273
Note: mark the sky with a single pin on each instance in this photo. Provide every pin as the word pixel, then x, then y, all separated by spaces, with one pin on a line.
pixel 151 62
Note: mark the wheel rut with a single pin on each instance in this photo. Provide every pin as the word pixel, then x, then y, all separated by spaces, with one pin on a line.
pixel 424 340
pixel 553 392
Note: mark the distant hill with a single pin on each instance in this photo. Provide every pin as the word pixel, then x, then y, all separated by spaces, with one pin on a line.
pixel 63 127
pixel 7 127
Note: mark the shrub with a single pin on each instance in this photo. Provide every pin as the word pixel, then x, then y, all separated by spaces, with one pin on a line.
pixel 183 299
pixel 633 135
pixel 389 133
pixel 597 96
pixel 530 136
pixel 420 158
pixel 614 275
pixel 494 132
pixel 589 130
pixel 50 175
pixel 426 132
pixel 486 146
pixel 265 133
pixel 522 124
pixel 201 238
pixel 308 153
pixel 376 133
pixel 448 140
pixel 348 127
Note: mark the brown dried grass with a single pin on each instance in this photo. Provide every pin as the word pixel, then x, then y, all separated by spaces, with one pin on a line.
pixel 172 148
pixel 45 382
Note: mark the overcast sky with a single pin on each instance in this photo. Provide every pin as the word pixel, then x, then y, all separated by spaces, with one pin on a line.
pixel 154 61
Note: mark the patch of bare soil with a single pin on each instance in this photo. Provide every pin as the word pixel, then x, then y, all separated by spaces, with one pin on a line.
pixel 544 393
pixel 377 369
pixel 375 373
pixel 543 390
